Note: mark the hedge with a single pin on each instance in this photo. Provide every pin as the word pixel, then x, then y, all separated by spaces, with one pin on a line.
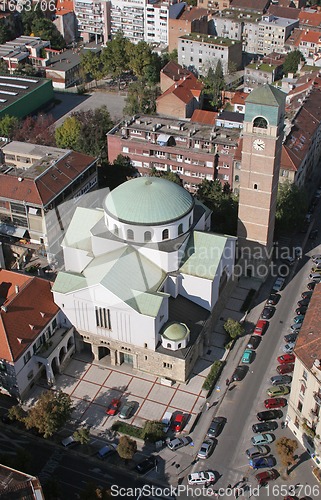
pixel 213 375
pixel 127 429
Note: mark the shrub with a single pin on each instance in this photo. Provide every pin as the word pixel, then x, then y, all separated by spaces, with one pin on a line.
pixel 153 431
pixel 213 375
pixel 127 429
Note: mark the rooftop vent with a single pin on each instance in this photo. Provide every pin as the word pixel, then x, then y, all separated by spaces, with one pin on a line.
pixel 20 179
pixel 317 363
pixel 4 308
pixel 42 314
pixel 19 340
pixel 32 327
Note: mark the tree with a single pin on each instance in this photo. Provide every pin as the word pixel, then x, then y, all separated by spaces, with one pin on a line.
pixel 16 413
pixel 166 174
pixel 291 62
pixel 92 65
pixel 28 17
pixel 233 328
pixel 113 174
pixel 115 56
pixel 214 84
pixel 5 33
pixel 82 435
pixel 126 448
pixel 46 30
pixel 92 133
pixel 37 130
pixel 140 56
pixel 141 98
pixel 153 431
pixel 68 133
pixel 51 411
pixel 285 448
pixel 3 67
pixel 168 56
pixel 94 492
pixel 8 125
pixel 291 206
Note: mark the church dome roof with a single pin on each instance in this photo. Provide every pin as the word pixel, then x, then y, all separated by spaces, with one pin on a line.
pixel 175 331
pixel 148 200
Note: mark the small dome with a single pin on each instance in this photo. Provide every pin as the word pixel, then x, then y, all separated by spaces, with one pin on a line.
pixel 175 331
pixel 148 200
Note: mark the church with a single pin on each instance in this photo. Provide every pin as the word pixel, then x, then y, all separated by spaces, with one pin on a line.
pixel 142 274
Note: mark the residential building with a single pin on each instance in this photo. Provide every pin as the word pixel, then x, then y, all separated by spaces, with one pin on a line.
pixel 134 268
pixel 202 116
pixel 256 6
pixel 273 32
pixel 198 53
pixel 214 4
pixel 38 195
pixel 238 101
pixel 309 44
pixel 37 339
pixel 230 119
pixel 156 20
pixel 19 485
pixel 303 415
pixel 182 98
pixel 184 21
pixel 193 151
pixel 250 34
pixel 311 19
pixel 128 16
pixel 226 24
pixel 171 73
pixel 266 70
pixel 65 20
pixel 93 20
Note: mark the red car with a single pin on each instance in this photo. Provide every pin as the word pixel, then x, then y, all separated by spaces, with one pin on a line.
pixel 260 327
pixel 178 422
pixel 286 358
pixel 274 402
pixel 113 407
pixel 287 368
pixel 265 476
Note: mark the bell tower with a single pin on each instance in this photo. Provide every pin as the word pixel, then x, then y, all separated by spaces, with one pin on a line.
pixel 261 155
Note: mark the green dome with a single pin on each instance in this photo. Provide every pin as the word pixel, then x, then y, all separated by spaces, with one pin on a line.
pixel 175 331
pixel 148 200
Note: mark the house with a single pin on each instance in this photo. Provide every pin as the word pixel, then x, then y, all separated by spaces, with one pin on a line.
pixel 238 101
pixel 19 485
pixel 187 20
pixel 310 18
pixel 309 44
pixel 182 98
pixel 36 338
pixel 171 73
pixel 230 119
pixel 134 268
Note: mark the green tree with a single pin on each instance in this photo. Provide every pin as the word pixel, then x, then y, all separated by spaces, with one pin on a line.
pixel 168 56
pixel 82 435
pixel 153 431
pixel 50 412
pixel 166 174
pixel 151 75
pixel 3 67
pixel 92 65
pixel 68 133
pixel 141 98
pixel 126 448
pixel 8 125
pixel 214 84
pixel 291 62
pixel 291 207
pixel 113 174
pixel 28 17
pixel 233 328
pixel 285 448
pixel 115 56
pixel 140 56
pixel 45 29
pixel 16 413
pixel 5 33
pixel 92 134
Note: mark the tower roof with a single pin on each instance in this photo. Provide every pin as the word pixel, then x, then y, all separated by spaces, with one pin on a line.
pixel 266 95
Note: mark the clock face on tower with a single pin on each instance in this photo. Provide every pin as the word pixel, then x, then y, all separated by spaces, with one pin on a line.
pixel 259 145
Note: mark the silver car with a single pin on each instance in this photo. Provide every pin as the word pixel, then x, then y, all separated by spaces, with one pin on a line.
pixel 206 448
pixel 176 443
pixel 288 348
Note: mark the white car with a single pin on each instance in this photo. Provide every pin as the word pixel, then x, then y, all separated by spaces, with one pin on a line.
pixel 206 448
pixel 278 284
pixel 201 477
pixel 176 443
pixel 316 257
pixel 288 348
pixel 315 277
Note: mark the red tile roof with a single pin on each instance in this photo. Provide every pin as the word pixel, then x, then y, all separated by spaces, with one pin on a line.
pixel 239 97
pixel 201 116
pixel 308 36
pixel 252 5
pixel 184 89
pixel 286 12
pixel 286 161
pixel 189 14
pixel 23 309
pixel 63 7
pixel 310 19
pixel 175 71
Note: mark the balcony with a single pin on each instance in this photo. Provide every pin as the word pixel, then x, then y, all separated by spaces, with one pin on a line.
pixel 317 398
pixel 314 415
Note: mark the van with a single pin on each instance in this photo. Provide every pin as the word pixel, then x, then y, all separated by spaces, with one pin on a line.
pixel 106 451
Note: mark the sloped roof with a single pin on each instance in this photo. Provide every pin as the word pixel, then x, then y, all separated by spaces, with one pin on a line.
pixel 175 71
pixel 63 7
pixel 78 233
pixel 286 161
pixel 308 36
pixel 310 18
pixel 201 116
pixel 191 13
pixel 23 310
pixel 231 116
pixel 252 5
pixel 183 89
pixel 239 97
pixel 266 95
pixel 286 12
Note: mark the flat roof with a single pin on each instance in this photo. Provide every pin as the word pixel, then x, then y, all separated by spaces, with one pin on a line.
pixel 262 67
pixel 237 15
pixel 280 21
pixel 34 150
pixel 210 39
pixel 13 88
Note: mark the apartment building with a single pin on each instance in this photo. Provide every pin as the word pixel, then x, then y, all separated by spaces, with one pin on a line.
pixel 214 4
pixel 273 32
pixel 309 44
pixel 156 20
pixel 65 20
pixel 128 16
pixel 266 70
pixel 195 151
pixel 198 53
pixel 226 23
pixel 93 20
pixel 187 20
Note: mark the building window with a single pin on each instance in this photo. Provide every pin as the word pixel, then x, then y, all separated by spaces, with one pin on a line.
pixel 130 234
pixel 103 318
pixel 300 405
pixel 255 186
pixel 237 178
pixel 145 345
pixel 305 375
pixel 179 346
pixel 145 358
pixel 169 346
pixel 302 390
pixel 260 122
pixel 165 234
pixel 180 229
pixel 147 236
pixel 167 365
pixel 26 357
pixel 116 231
pixel 54 324
pixel 297 422
pixel 191 59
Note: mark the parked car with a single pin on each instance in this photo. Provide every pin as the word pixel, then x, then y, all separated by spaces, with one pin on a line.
pixel 247 356
pixel 273 299
pixel 178 422
pixel 264 416
pixel 146 465
pixel 296 327
pixel 113 407
pixel 69 441
pixel 216 426
pixel 299 319
pixel 315 277
pixel 311 285
pixel 262 439
pixel 313 234
pixel 291 337
pixel 277 390
pixel 127 409
pixel 278 284
pixel 264 477
pixel 286 368
pixel 316 269
pixel 288 348
pixel 257 451
pixel 280 380
pixel 268 312
pixel 288 260
pixel 260 327
pixel 206 448
pixel 260 463
pixel 106 451
pixel 307 294
pixel 301 310
pixel 286 358
pixel 239 373
pixel 275 402
pixel 304 302
pixel 201 477
pixel 264 427
pixel 254 342
pixel 316 257
pixel 176 443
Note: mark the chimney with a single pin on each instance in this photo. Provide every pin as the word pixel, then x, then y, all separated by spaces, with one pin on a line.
pixel 42 314
pixel 16 288
pixel 32 327
pixel 4 308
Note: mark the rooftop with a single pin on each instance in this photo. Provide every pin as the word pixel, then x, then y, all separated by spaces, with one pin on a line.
pixel 202 116
pixel 13 88
pixel 266 95
pixel 237 15
pixel 190 13
pixel 287 12
pixel 69 58
pixel 262 67
pixel 27 148
pixel 185 89
pixel 16 485
pixel 310 18
pixel 280 21
pixel 251 5
pixel 210 39
pixel 175 71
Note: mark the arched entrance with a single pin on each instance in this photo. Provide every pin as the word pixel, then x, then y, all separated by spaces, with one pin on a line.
pixel 62 354
pixel 103 352
pixel 54 366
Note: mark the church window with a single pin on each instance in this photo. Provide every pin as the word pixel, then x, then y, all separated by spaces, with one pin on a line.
pixel 130 234
pixel 169 346
pixel 165 234
pixel 180 229
pixel 103 317
pixel 255 186
pixel 260 122
pixel 179 346
pixel 147 236
pixel 116 231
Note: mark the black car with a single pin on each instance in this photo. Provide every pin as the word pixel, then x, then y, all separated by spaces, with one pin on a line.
pixel 267 312
pixel 263 416
pixel 264 427
pixel 301 310
pixel 239 373
pixel 304 302
pixel 146 465
pixel 314 234
pixel 281 379
pixel 273 299
pixel 291 337
pixel 253 342
pixel 216 427
pixel 307 294
pixel 311 285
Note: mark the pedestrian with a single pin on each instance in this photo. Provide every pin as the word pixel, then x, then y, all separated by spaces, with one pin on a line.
pixel 207 406
pixel 227 382
pixel 229 486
